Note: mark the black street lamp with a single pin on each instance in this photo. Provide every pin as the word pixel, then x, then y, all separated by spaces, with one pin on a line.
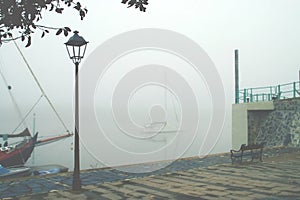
pixel 76 47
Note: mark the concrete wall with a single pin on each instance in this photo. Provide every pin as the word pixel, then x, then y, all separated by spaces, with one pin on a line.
pixel 273 123
pixel 240 120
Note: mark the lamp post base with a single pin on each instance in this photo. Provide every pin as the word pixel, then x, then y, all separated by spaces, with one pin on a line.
pixel 76 184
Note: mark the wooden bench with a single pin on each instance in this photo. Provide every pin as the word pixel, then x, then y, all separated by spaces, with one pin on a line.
pixel 252 150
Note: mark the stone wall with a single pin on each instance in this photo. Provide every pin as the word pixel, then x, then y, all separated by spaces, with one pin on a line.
pixel 278 127
pixel 256 118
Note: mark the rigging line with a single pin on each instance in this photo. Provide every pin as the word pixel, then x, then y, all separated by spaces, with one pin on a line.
pixel 40 87
pixel 29 112
pixel 13 99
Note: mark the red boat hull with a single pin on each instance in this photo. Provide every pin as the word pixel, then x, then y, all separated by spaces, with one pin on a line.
pixel 19 155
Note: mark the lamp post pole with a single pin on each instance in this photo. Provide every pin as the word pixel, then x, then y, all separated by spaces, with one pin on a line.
pixel 76 174
pixel 76 47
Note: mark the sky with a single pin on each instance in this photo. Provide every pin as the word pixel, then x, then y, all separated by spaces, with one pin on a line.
pixel 266 33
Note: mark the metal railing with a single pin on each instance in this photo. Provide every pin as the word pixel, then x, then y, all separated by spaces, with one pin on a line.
pixel 270 93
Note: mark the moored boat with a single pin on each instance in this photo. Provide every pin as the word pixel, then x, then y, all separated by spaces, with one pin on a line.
pixel 18 153
pixel 14 172
pixel 48 169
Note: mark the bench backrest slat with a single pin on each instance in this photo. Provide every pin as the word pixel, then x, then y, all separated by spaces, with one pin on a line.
pixel 252 146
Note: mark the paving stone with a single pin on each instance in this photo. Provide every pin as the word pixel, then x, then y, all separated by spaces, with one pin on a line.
pixel 89 187
pixel 287 194
pixel 290 188
pixel 163 187
pixel 125 191
pixel 240 193
pixel 111 196
pixel 207 197
pixel 251 180
pixel 189 192
pixel 263 191
pixel 216 193
pixel 176 182
pixel 147 190
pixel 214 187
pixel 100 190
pixel 236 197
pixel 259 196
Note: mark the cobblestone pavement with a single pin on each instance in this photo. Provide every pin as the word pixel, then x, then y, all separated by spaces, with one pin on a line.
pixel 278 177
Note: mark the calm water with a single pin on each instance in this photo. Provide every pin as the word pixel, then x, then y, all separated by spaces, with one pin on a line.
pixel 117 148
pixel 107 141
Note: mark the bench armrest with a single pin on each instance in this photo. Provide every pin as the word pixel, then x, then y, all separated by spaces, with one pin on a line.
pixel 234 151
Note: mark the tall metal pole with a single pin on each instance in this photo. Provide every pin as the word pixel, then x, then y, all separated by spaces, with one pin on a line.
pixel 236 61
pixel 76 174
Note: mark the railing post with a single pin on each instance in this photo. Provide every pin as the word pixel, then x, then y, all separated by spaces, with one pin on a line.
pixel 270 96
pixel 294 89
pixel 245 95
pixel 278 94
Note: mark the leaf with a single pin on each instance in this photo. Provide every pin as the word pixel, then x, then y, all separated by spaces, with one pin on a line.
pixel 59 31
pixel 33 26
pixel 66 32
pixel 28 41
pixel 22 38
pixel 59 10
pixel 46 31
pixel 136 3
pixel 52 6
pixel 78 6
pixel 82 14
pixel 43 34
pixel 67 29
pixel 142 8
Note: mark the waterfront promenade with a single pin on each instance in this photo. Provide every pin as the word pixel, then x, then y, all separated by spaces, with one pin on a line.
pixel 213 177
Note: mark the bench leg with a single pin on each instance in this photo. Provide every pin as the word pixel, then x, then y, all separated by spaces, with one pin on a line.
pixel 260 158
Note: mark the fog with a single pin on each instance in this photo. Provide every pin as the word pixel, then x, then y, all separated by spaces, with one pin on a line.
pixel 265 32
